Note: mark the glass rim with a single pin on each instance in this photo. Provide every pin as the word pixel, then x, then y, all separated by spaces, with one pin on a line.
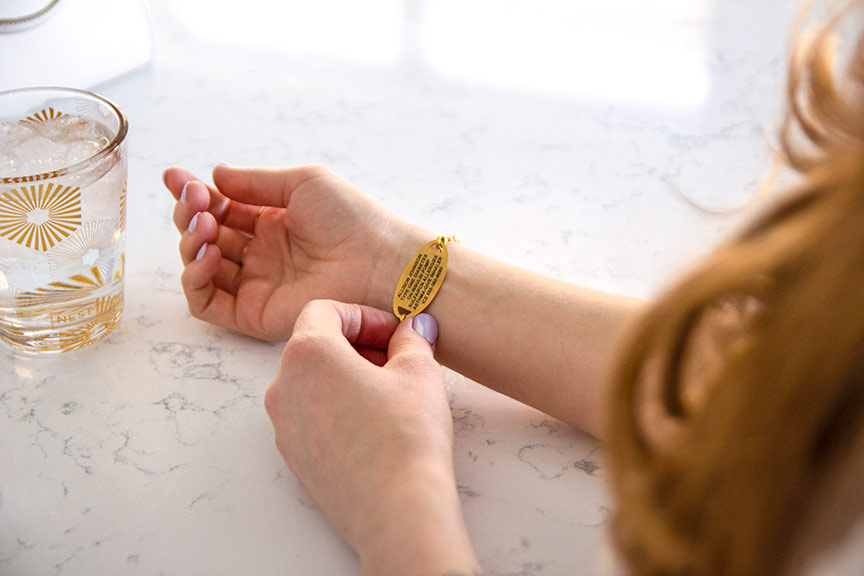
pixel 109 148
pixel 24 21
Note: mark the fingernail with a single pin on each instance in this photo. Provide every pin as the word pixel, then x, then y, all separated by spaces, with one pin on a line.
pixel 201 252
pixel 183 192
pixel 426 326
pixel 223 163
pixel 193 224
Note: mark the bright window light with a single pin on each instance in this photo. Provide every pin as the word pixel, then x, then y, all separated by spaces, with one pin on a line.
pixel 611 50
pixel 368 31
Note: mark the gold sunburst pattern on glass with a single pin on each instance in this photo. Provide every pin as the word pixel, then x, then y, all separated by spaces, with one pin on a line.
pixel 75 287
pixel 41 215
pixel 90 110
pixel 121 269
pixel 93 245
pixel 70 314
pixel 82 325
pixel 103 315
pixel 42 116
pixel 123 207
pixel 33 177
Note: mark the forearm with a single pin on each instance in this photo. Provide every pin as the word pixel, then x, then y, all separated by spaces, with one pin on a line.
pixel 536 339
pixel 422 532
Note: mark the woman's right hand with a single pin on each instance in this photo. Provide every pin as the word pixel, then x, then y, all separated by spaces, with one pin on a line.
pixel 261 243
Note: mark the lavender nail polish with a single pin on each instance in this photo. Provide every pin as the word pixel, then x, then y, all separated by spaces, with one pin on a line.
pixel 201 252
pixel 193 224
pixel 426 326
pixel 183 192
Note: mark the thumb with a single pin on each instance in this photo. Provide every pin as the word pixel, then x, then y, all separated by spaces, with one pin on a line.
pixel 263 186
pixel 415 335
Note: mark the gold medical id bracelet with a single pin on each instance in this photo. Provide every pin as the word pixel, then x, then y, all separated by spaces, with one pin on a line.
pixel 422 278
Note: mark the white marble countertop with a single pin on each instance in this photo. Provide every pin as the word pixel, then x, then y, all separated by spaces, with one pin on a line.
pixel 560 136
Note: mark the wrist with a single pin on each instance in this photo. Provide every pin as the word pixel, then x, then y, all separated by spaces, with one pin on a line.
pixel 398 245
pixel 420 530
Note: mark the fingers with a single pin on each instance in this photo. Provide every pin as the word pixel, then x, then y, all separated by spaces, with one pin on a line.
pixel 361 326
pixel 204 228
pixel 207 301
pixel 194 196
pixel 414 336
pixel 366 330
pixel 371 331
pixel 175 178
pixel 203 231
pixel 373 355
pixel 264 186
pixel 239 193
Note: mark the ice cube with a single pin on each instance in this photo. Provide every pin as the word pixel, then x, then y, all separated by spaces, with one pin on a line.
pixel 36 147
pixel 12 134
pixel 7 165
pixel 80 151
pixel 39 147
pixel 73 129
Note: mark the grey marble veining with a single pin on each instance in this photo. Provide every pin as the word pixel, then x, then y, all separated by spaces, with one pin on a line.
pixel 150 453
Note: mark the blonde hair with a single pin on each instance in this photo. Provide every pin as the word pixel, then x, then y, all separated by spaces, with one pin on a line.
pixel 736 429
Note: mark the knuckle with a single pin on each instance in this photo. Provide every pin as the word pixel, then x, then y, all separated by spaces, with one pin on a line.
pixel 315 306
pixel 196 304
pixel 417 363
pixel 311 310
pixel 309 318
pixel 272 397
pixel 313 170
pixel 195 309
pixel 303 347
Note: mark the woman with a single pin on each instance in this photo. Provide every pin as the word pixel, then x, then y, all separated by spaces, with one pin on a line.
pixel 732 407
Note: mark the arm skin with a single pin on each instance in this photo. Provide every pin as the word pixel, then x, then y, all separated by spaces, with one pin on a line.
pixel 541 341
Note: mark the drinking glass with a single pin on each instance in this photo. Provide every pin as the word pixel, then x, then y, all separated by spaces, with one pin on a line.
pixel 62 218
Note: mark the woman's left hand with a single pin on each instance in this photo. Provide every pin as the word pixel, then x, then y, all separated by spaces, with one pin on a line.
pixel 361 417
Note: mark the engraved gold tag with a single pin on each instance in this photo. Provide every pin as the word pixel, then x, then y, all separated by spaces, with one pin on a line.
pixel 421 279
